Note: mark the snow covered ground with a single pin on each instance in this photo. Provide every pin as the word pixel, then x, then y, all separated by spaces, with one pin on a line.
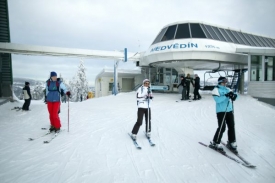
pixel 98 149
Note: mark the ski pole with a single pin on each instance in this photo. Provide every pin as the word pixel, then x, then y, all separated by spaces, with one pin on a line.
pixel 68 113
pixel 148 110
pixel 223 119
pixel 233 119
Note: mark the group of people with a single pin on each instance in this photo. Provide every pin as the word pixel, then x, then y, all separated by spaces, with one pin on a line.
pixel 185 83
pixel 222 95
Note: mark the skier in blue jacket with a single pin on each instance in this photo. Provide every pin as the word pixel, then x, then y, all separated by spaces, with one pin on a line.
pixel 53 93
pixel 224 97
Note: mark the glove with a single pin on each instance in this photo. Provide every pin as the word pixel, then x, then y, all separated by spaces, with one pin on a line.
pixel 229 94
pixel 233 98
pixel 68 93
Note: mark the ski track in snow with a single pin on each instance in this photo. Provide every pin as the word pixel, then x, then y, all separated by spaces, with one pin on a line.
pixel 98 149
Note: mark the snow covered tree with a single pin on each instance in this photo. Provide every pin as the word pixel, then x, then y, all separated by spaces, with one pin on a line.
pixel 79 85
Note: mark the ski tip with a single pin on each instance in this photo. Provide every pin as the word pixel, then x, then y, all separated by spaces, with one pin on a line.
pixel 43 128
pixel 46 142
pixel 30 139
pixel 249 165
pixel 139 148
pixel 153 144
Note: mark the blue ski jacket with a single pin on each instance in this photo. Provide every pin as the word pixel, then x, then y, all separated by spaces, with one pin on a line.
pixel 52 93
pixel 221 100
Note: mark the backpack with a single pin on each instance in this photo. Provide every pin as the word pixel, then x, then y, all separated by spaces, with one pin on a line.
pixel 57 86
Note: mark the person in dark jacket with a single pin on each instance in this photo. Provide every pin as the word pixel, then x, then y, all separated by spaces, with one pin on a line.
pixel 188 81
pixel 183 84
pixel 197 95
pixel 27 97
pixel 53 93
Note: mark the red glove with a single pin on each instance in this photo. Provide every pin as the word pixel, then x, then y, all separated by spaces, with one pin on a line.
pixel 68 93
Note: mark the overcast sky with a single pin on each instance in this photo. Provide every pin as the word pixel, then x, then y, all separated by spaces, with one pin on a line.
pixel 116 24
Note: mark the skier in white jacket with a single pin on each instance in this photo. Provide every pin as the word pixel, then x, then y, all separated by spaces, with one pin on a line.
pixel 144 99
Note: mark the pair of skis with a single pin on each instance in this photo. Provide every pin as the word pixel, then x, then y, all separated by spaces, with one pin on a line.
pixel 243 162
pixel 17 108
pixel 137 145
pixel 46 141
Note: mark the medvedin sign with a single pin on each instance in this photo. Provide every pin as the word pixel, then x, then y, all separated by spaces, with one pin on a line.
pixel 175 46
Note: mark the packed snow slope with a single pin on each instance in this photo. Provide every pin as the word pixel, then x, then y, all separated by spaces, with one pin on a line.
pixel 97 147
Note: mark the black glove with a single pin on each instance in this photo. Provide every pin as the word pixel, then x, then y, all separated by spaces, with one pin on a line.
pixel 68 93
pixel 229 94
pixel 233 98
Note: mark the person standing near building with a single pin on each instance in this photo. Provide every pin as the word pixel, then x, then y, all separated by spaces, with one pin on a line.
pixel 53 93
pixel 196 86
pixel 224 97
pixel 27 97
pixel 144 99
pixel 188 81
pixel 183 84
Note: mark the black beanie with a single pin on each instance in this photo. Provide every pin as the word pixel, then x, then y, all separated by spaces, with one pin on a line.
pixel 221 79
pixel 27 83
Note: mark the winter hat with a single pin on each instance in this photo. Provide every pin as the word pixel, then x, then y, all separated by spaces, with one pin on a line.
pixel 27 83
pixel 146 80
pixel 53 74
pixel 222 80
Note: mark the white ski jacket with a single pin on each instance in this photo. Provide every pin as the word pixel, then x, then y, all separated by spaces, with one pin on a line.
pixel 142 94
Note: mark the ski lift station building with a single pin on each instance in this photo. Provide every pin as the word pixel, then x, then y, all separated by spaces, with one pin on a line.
pixel 184 47
pixel 179 48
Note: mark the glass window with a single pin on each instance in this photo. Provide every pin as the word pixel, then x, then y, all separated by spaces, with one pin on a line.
pixel 237 37
pixel 246 40
pixel 174 76
pixel 169 34
pixel 158 38
pixel 211 31
pixel 196 31
pixel 219 33
pixel 263 41
pixel 161 78
pixel 273 41
pixel 259 41
pixel 183 31
pixel 225 35
pixel 110 86
pixel 270 43
pixel 231 36
pixel 270 69
pixel 254 40
pixel 206 31
pixel 256 68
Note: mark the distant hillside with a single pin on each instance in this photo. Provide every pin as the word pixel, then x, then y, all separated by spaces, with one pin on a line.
pixel 35 86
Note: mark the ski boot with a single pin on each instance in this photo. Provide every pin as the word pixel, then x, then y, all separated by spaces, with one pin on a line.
pixel 57 130
pixel 217 147
pixel 232 146
pixel 51 129
pixel 134 136
pixel 148 134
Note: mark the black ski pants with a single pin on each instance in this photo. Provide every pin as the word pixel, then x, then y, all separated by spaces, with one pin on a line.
pixel 229 120
pixel 187 92
pixel 196 93
pixel 140 113
pixel 26 104
pixel 183 93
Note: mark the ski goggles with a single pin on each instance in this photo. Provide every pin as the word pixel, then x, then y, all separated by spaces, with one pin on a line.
pixel 222 81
